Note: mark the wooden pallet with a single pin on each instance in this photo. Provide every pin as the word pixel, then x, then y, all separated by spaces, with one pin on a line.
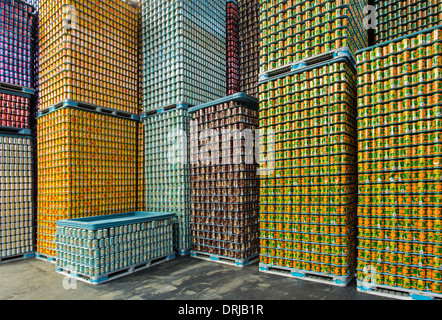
pixel 340 281
pixel 113 275
pixel 224 260
pixel 395 292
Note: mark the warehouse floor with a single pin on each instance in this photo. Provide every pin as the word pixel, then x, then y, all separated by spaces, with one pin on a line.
pixel 184 278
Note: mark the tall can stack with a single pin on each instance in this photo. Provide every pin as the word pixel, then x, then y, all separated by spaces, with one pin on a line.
pixel 225 186
pixel 17 144
pixel 233 48
pixel 184 49
pixel 89 113
pixel 167 170
pixel 308 147
pixel 397 18
pixel 249 46
pixel 84 169
pixel 400 152
pixel 295 30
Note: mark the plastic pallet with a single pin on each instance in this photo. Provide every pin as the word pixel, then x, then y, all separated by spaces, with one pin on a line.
pixel 45 258
pixel 395 292
pixel 17 257
pixel 239 97
pixel 116 274
pixel 172 107
pixel 224 260
pixel 182 252
pixel 13 87
pixel 320 59
pixel 340 281
pixel 16 131
pixel 90 108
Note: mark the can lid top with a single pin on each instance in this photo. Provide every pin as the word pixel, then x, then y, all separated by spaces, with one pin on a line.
pixel 115 220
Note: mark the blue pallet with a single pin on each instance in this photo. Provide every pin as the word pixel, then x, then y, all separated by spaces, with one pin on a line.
pixel 89 108
pixel 396 292
pixel 225 260
pixel 115 274
pixel 17 257
pixel 239 97
pixel 340 281
pixel 16 89
pixel 114 220
pixel 16 131
pixel 170 108
pixel 182 252
pixel 339 55
pixel 45 258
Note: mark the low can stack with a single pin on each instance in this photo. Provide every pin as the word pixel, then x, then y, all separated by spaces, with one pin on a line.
pixel 225 187
pixel 400 152
pixel 100 249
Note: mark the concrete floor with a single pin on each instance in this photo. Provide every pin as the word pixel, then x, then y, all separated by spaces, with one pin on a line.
pixel 184 278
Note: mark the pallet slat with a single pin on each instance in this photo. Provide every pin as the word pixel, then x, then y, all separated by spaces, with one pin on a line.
pixel 224 260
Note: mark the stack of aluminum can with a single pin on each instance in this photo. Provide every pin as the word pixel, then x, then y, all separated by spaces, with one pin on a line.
pixel 85 168
pixel 308 151
pixel 167 170
pixel 16 196
pixel 96 250
pixel 89 54
pixel 17 144
pixel 296 29
pixel 89 113
pixel 400 152
pixel 233 48
pixel 184 50
pixel 308 172
pixel 16 27
pixel 249 43
pixel 397 18
pixel 225 186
